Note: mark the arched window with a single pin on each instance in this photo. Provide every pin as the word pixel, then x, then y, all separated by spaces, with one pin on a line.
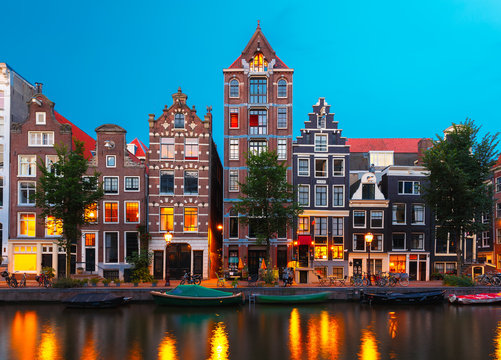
pixel 234 90
pixel 179 121
pixel 258 64
pixel 282 88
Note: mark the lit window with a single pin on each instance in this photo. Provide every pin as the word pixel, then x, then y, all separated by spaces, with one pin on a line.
pixel 27 223
pixel 190 219
pixel 166 182
pixel 233 180
pixel 282 88
pixel 40 138
pixel 167 148
pixel 256 147
pixel 320 142
pixel 303 225
pixel 304 195
pixel 397 263
pixel 282 118
pixel 179 121
pixel 320 251
pixel 191 149
pixel 320 195
pixel 282 149
pixel 132 212
pixel 381 158
pixel 110 185
pixel 234 90
pixel 111 161
pixel 337 252
pixel 110 212
pixel 417 213
pixel 338 167
pixel 398 211
pixel 166 219
pixel 27 165
pixel 53 227
pixel 258 122
pixel 131 183
pixel 258 63
pixel 90 239
pixel 40 118
pixel 359 219
pixel 26 193
pixel 257 93
pixel 234 153
pixel 90 213
pixel 409 187
pixel 338 195
pixel 303 167
pixel 233 118
pixel 398 241
pixel 191 182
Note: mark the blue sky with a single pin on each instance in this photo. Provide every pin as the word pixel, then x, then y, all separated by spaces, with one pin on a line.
pixel 389 69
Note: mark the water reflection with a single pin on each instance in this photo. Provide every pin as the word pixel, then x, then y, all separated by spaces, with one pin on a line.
pixel 368 346
pixel 392 324
pixel 24 332
pixel 49 347
pixel 167 349
pixel 295 335
pixel 219 343
pixel 497 343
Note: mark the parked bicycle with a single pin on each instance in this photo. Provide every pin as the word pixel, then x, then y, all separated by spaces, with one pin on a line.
pixel 400 279
pixel 191 279
pixel 10 279
pixel 288 276
pixel 44 280
pixel 488 279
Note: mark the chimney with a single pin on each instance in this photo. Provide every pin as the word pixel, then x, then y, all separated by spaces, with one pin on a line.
pixel 38 88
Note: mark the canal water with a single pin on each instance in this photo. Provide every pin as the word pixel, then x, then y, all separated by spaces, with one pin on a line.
pixel 330 331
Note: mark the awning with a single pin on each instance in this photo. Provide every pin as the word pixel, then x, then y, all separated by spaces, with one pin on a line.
pixel 304 239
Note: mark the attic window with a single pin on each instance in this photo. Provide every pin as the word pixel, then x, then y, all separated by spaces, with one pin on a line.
pixel 40 118
pixel 258 64
pixel 179 121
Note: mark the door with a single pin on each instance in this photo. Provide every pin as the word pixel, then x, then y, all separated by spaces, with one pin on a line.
pixel 413 270
pixel 198 262
pixel 281 260
pixel 158 264
pixel 255 259
pixel 179 260
pixel 422 270
pixel 357 266
pixel 61 265
pixel 90 259
pixel 303 255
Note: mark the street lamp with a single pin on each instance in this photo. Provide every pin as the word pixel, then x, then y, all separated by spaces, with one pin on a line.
pixel 168 239
pixel 368 240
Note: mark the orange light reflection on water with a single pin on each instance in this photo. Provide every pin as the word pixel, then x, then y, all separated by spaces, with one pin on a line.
pixel 49 347
pixel 295 345
pixel 392 324
pixel 89 351
pixel 219 343
pixel 497 343
pixel 167 348
pixel 368 346
pixel 23 335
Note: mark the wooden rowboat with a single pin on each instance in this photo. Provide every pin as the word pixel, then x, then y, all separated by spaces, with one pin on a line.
pixel 389 297
pixel 293 299
pixel 196 295
pixel 474 299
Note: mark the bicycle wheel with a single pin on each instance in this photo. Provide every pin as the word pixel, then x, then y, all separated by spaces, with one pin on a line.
pixel 365 282
pixel 197 281
pixel 392 282
pixel 404 282
pixel 182 282
pixel 357 281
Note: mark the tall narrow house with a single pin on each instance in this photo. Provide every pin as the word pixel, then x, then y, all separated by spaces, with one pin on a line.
pixel 184 192
pixel 257 117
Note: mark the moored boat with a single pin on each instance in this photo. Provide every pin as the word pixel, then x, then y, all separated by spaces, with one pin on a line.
pixel 389 297
pixel 196 295
pixel 95 301
pixel 313 298
pixel 474 299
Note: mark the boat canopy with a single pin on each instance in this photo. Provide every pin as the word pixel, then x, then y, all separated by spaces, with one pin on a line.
pixel 197 291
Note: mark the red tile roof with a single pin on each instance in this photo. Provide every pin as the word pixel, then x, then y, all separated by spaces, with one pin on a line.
pixel 141 149
pixel 399 145
pixel 79 134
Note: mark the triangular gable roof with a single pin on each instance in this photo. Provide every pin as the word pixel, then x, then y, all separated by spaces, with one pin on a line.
pixel 141 148
pixel 398 145
pixel 79 134
pixel 265 47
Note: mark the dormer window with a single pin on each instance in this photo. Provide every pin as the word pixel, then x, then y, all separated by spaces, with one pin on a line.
pixel 40 118
pixel 179 121
pixel 258 64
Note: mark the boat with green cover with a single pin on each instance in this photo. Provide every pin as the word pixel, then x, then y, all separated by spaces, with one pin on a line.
pixel 313 298
pixel 196 295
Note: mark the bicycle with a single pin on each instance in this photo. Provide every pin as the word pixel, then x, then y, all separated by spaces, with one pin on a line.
pixel 401 279
pixel 43 280
pixel 10 279
pixel 191 279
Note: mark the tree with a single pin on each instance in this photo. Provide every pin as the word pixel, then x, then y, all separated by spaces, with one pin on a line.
pixel 267 202
pixel 63 193
pixel 458 189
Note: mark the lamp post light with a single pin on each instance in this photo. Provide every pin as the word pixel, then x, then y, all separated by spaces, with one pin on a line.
pixel 368 240
pixel 168 239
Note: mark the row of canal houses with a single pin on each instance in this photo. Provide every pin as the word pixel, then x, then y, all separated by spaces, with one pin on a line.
pixel 178 186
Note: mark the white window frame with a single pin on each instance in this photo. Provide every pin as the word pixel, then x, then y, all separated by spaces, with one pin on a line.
pixel 413 187
pixel 342 192
pixel 326 195
pixel 40 118
pixel 405 241
pixel 125 244
pixel 393 221
pixel 341 220
pixel 309 195
pixel 194 144
pixel 278 116
pixel 317 147
pixel 375 241
pixel 39 135
pixel 19 203
pixel 485 238
pixel 46 229
pixel 167 142
pixel 333 171
pixel 229 88
pixel 498 184
pixel 49 159
pixel 138 183
pixel 365 219
pixel 104 247
pixel 19 224
pixel 32 164
pixel 419 233
pixel 424 214
pixel 282 149
pixel 326 168
pixel 184 219
pixel 138 211
pixel 353 236
pixel 118 185
pixel 298 167
pixel 236 187
pixel 374 158
pixel 234 149
pixel 110 157
pixel 104 212
pixel 234 110
pixel 286 88
pixel 382 219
